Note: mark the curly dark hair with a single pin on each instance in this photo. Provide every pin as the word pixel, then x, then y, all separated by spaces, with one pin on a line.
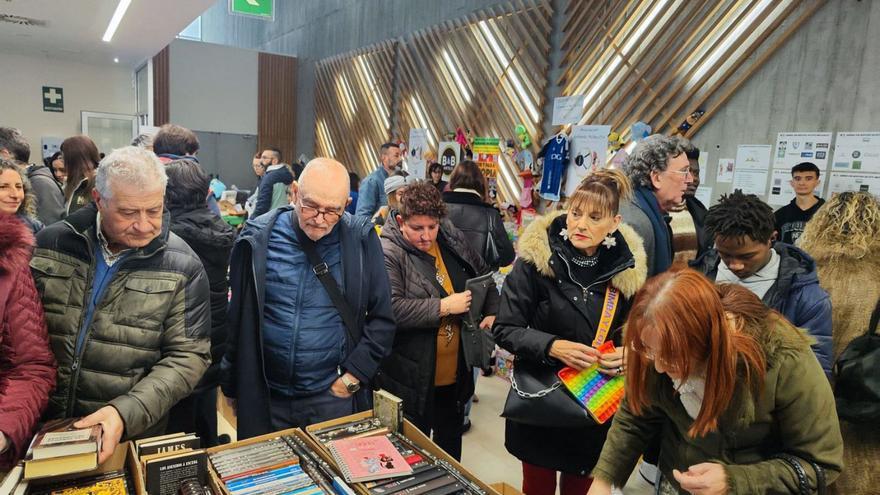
pixel 741 215
pixel 422 198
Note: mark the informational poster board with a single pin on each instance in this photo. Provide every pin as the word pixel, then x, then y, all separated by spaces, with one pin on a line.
pixel 752 168
pixel 704 194
pixel 589 147
pixel 857 152
pixel 418 145
pixel 797 147
pixel 568 109
pixel 726 167
pixel 854 181
pixel 486 153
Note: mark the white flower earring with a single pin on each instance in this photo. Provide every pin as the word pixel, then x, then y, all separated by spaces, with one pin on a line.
pixel 609 241
pixel 564 234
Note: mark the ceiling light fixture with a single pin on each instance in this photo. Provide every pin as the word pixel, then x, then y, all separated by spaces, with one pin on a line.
pixel 115 20
pixel 115 60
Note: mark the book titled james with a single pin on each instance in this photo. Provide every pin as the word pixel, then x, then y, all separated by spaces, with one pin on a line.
pixel 368 458
pixel 164 473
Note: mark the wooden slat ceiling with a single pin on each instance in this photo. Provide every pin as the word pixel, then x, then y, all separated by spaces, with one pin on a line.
pixel 486 72
pixel 353 106
pixel 657 61
pixel 654 61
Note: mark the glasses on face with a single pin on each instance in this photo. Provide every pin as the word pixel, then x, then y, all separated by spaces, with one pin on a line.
pixel 330 215
pixel 682 173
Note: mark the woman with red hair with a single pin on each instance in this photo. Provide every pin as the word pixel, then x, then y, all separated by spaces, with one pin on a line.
pixel 744 405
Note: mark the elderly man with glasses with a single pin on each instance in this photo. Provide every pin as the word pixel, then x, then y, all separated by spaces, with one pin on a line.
pixel 310 317
pixel 660 173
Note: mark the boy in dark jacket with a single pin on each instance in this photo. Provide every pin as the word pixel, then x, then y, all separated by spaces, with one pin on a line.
pixel 783 276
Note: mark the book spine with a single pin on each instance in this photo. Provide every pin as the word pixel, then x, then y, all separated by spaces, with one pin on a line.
pixel 289 480
pixel 269 476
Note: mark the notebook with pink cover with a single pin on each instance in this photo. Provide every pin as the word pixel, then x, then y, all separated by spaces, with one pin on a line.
pixel 368 458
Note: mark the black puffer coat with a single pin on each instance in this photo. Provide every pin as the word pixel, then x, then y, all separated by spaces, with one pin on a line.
pixel 472 217
pixel 211 238
pixel 415 297
pixel 539 304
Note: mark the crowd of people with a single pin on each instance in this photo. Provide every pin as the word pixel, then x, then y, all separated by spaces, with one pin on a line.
pixel 127 301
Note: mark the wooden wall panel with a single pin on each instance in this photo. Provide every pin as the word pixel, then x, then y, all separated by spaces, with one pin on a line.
pixel 658 61
pixel 276 102
pixel 353 105
pixel 486 72
pixel 161 88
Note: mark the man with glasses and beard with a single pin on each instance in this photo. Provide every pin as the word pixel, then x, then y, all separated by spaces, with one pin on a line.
pixel 304 345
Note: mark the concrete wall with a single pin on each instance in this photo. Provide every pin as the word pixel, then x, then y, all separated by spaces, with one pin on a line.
pixel 213 88
pixel 822 79
pixel 86 88
pixel 312 30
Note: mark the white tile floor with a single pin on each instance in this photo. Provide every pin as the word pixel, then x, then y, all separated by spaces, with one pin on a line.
pixel 483 451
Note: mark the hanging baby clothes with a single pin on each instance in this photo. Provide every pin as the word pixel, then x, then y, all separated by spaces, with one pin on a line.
pixel 555 153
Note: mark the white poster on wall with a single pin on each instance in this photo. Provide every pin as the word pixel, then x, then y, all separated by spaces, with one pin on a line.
pixel 753 157
pixel 418 145
pixel 704 194
pixel 726 166
pixel 703 160
pixel 853 181
pixel 857 151
pixel 589 146
pixel 750 181
pixel 568 109
pixel 797 147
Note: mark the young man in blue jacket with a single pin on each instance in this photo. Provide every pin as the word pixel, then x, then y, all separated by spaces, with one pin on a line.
pixel 783 276
pixel 291 360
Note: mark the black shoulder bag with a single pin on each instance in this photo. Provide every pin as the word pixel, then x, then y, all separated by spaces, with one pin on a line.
pixel 857 376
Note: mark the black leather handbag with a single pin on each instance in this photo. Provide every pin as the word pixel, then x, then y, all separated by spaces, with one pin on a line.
pixel 537 397
pixel 857 376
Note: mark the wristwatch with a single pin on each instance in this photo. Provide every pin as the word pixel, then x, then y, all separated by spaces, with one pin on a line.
pixel 351 386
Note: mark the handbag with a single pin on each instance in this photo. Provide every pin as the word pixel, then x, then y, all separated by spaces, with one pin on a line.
pixel 537 395
pixel 490 251
pixel 857 376
pixel 804 487
pixel 477 343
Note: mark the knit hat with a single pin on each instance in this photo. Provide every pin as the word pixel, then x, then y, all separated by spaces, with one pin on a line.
pixel 396 182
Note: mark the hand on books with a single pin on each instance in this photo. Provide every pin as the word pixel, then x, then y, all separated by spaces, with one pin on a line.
pixel 708 478
pixel 487 322
pixel 574 354
pixel 112 425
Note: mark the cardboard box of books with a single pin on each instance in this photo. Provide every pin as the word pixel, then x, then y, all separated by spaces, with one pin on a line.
pixel 367 451
pixel 120 474
pixel 285 461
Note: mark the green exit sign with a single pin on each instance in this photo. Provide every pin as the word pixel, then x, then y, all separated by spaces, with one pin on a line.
pixel 264 9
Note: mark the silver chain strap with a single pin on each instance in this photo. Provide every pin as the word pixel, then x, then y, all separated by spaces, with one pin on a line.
pixel 528 395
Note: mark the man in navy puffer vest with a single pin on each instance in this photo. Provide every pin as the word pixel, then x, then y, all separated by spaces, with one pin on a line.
pixel 291 362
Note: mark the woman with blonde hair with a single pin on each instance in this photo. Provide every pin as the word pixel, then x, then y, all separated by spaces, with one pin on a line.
pixel 16 197
pixel 574 266
pixel 741 402
pixel 844 239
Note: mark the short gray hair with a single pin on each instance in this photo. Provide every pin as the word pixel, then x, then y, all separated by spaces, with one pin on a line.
pixel 652 154
pixel 130 165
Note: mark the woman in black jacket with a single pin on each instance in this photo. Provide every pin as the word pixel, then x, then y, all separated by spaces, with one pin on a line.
pixel 478 220
pixel 428 263
pixel 551 305
pixel 212 239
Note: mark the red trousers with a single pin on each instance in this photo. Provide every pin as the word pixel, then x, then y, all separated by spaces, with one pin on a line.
pixel 542 481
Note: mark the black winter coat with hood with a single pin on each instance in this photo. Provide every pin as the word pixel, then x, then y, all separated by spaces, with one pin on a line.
pixel 540 303
pixel 473 218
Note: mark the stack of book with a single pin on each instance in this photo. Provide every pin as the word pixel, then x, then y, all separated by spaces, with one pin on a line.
pixel 58 448
pixel 112 483
pixel 171 460
pixel 267 467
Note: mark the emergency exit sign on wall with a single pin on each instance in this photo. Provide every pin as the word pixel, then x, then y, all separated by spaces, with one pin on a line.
pixel 263 9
